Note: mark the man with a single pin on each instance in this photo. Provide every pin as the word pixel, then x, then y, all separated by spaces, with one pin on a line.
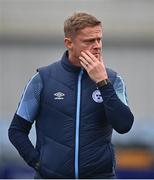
pixel 75 103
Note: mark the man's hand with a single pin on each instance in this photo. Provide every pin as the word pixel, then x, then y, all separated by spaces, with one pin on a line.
pixel 94 67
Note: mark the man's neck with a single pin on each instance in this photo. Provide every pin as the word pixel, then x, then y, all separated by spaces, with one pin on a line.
pixel 74 60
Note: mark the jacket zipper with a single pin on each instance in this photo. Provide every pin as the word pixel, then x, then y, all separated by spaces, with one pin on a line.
pixel 77 125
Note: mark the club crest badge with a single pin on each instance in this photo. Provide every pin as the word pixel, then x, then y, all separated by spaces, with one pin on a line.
pixel 96 95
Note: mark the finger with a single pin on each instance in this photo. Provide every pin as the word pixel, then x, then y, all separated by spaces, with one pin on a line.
pixel 87 58
pixel 83 65
pixel 91 56
pixel 84 61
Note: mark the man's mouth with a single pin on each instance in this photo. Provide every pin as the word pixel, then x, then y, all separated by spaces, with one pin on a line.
pixel 96 54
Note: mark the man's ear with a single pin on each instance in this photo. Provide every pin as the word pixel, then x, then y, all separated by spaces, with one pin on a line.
pixel 68 43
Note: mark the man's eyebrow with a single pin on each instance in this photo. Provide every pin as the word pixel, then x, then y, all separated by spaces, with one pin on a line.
pixel 91 39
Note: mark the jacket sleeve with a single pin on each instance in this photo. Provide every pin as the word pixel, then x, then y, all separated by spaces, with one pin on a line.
pixel 23 119
pixel 117 111
pixel 18 135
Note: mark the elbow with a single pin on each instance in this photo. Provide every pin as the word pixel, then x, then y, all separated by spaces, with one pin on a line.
pixel 11 134
pixel 18 127
pixel 126 126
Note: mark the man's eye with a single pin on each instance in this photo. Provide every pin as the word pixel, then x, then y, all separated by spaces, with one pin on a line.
pixel 92 41
pixel 89 41
pixel 99 40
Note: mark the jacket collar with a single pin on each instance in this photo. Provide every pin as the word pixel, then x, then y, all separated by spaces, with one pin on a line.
pixel 67 64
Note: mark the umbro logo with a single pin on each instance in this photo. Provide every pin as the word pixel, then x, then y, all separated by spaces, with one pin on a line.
pixel 59 95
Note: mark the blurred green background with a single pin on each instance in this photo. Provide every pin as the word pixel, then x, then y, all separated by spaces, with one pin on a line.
pixel 31 35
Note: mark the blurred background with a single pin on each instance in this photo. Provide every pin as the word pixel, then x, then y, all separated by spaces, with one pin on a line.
pixel 31 35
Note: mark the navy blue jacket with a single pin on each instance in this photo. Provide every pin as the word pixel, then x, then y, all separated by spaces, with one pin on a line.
pixel 75 121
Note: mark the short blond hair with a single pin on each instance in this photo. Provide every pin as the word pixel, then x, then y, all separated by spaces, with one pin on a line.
pixel 79 21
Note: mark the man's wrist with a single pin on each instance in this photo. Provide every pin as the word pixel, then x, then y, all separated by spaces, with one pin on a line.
pixel 103 83
pixel 37 166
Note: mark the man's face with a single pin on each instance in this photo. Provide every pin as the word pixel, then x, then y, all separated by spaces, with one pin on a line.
pixel 89 38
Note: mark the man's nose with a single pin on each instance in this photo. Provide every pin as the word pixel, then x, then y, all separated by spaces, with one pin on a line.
pixel 97 44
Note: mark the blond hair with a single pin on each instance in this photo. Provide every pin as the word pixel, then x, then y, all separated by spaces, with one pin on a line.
pixel 79 21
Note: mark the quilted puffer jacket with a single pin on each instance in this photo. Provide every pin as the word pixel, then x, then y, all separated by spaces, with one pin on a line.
pixel 75 123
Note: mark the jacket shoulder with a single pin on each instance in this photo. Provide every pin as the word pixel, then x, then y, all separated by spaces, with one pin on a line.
pixel 47 70
pixel 111 74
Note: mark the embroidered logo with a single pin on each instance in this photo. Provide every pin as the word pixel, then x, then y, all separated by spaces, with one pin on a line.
pixel 59 95
pixel 96 95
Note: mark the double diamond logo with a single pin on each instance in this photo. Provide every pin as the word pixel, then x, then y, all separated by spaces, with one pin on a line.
pixel 59 95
